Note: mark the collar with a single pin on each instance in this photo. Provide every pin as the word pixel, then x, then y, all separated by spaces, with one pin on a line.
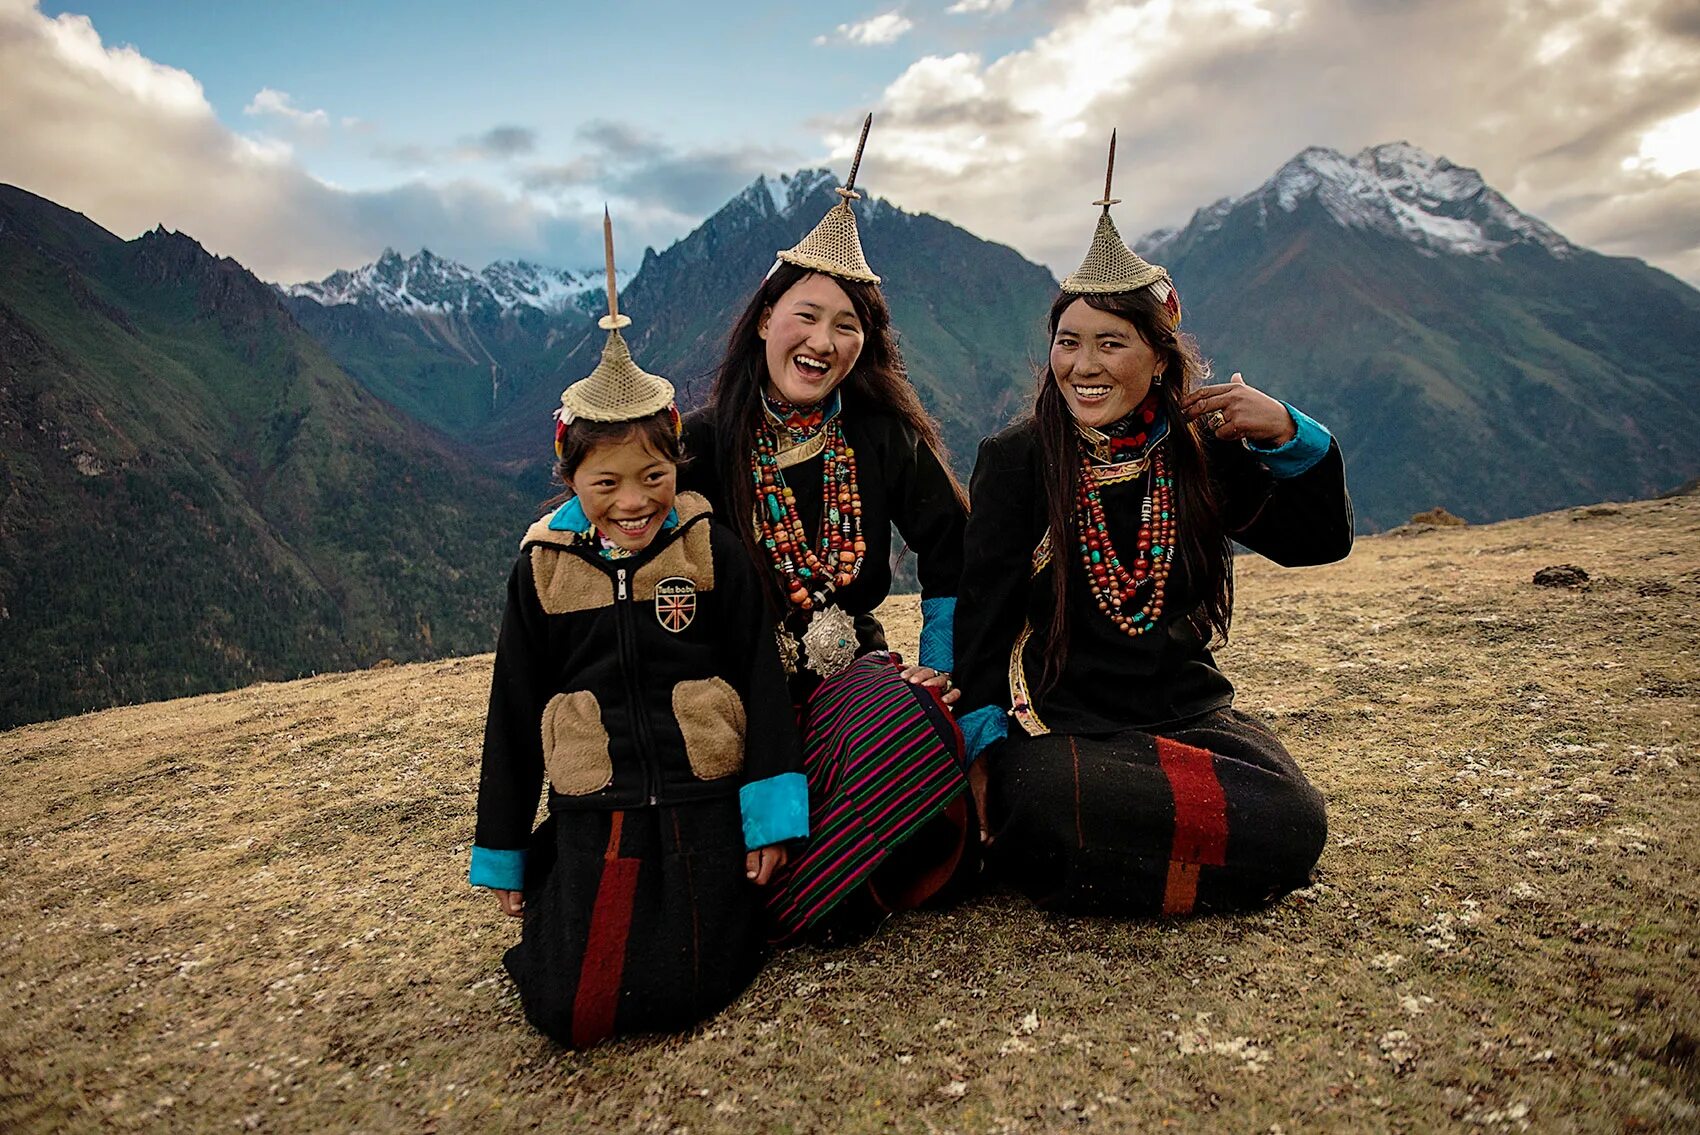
pixel 570 517
pixel 801 420
pixel 1129 438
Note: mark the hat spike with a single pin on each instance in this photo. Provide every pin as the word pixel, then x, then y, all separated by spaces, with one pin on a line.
pixel 1110 265
pixel 834 247
pixel 613 321
pixel 1109 173
pixel 848 189
pixel 618 390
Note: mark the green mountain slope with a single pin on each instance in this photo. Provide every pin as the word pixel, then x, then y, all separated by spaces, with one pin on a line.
pixel 192 494
pixel 446 346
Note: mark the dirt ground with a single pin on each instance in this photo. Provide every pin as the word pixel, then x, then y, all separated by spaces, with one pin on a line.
pixel 248 911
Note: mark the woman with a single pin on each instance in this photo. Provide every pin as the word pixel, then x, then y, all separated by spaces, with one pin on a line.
pixel 814 431
pixel 1098 571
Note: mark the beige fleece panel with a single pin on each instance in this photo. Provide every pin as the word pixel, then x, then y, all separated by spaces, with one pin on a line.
pixel 691 558
pixel 711 718
pixel 565 583
pixel 575 744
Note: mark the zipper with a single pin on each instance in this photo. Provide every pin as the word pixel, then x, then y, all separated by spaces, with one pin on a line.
pixel 626 634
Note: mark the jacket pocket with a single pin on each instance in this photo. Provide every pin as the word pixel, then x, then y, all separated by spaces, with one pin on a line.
pixel 711 719
pixel 575 744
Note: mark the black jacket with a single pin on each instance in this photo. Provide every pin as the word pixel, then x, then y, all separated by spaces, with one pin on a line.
pixel 1111 680
pixel 901 483
pixel 648 680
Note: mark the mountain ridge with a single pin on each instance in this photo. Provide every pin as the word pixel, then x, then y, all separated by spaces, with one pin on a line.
pixel 193 496
pixel 1464 353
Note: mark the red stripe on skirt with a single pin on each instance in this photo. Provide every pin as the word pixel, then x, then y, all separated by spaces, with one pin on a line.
pixel 1201 821
pixel 604 962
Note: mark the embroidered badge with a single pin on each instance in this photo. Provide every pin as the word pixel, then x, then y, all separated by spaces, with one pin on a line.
pixel 675 602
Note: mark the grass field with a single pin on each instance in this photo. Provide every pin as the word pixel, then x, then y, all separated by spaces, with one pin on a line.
pixel 248 911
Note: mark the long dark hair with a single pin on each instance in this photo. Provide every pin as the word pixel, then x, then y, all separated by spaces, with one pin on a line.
pixel 878 383
pixel 1205 555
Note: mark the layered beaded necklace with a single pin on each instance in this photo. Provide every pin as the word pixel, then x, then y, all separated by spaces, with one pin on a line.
pixel 810 570
pixel 1132 599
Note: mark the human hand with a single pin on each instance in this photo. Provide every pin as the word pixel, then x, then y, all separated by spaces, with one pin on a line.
pixel 977 777
pixel 511 902
pixel 934 679
pixel 1232 410
pixel 760 864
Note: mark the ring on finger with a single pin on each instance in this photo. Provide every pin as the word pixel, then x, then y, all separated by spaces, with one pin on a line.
pixel 1215 419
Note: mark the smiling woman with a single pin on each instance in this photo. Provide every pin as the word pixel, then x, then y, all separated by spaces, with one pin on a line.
pixel 814 445
pixel 1097 573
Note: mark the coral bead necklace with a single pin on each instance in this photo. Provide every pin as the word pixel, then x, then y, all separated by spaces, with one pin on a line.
pixel 1115 587
pixel 810 573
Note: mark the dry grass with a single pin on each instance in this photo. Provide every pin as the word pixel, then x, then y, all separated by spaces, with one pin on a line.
pixel 248 910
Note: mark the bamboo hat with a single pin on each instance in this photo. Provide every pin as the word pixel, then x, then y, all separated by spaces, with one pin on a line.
pixel 1110 265
pixel 618 390
pixel 834 247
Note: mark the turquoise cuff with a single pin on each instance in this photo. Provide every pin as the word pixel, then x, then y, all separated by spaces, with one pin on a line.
pixel 938 633
pixel 981 728
pixel 775 809
pixel 499 870
pixel 1305 448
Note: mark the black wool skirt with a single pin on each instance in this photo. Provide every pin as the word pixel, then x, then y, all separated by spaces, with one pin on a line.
pixel 1213 814
pixel 636 921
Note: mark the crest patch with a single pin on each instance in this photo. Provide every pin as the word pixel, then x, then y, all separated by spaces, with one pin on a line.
pixel 675 603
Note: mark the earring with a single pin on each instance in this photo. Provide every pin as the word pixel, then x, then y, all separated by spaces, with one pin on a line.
pixel 1157 379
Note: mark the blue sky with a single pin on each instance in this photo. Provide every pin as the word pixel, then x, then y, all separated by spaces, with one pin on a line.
pixel 425 73
pixel 304 137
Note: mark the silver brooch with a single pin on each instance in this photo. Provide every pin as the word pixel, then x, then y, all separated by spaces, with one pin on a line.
pixel 830 642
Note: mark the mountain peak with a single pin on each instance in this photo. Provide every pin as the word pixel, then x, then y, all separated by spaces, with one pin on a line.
pixel 780 195
pixel 426 284
pixel 802 185
pixel 1395 188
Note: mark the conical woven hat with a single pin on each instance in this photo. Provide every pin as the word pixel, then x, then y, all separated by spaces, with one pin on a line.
pixel 1110 265
pixel 834 247
pixel 618 390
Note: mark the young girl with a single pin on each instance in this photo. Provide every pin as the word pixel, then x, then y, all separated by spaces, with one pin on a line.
pixel 636 670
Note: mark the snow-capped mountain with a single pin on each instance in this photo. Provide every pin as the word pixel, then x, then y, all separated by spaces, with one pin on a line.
pixel 429 284
pixel 969 310
pixel 1396 189
pixel 1462 351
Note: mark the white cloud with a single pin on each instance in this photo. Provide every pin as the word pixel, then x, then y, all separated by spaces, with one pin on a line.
pixel 964 7
pixel 133 143
pixel 1670 148
pixel 1550 100
pixel 278 104
pixel 875 31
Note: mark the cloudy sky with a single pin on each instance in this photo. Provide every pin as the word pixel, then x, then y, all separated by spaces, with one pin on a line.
pixel 307 136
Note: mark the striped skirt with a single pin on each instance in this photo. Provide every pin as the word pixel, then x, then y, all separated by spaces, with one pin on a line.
pixel 883 758
pixel 1213 815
